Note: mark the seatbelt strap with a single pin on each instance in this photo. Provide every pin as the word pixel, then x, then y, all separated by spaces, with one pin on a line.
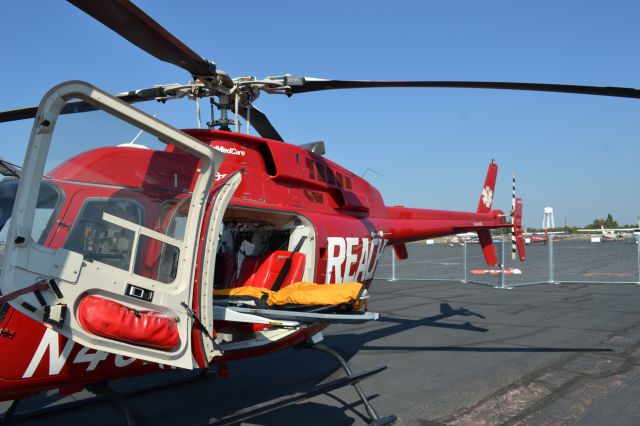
pixel 287 265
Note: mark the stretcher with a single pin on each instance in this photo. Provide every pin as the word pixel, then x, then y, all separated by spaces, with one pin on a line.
pixel 294 304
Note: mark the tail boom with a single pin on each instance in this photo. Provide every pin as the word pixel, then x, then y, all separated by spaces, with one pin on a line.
pixel 403 225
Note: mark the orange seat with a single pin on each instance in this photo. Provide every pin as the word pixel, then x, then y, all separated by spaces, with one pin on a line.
pixel 268 271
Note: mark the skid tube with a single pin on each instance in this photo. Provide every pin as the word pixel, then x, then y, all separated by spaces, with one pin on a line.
pixel 103 394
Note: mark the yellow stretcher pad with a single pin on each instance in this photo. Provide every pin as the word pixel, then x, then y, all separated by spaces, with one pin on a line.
pixel 310 294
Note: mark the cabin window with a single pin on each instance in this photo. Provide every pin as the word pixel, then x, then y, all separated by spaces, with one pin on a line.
pixel 321 172
pixel 339 180
pixel 177 217
pixel 310 166
pixel 158 260
pixel 347 181
pixel 103 241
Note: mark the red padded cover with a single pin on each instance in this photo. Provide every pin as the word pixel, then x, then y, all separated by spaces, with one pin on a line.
pixel 110 319
pixel 268 271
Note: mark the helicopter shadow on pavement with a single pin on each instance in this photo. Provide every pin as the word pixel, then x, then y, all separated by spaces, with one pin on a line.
pixel 323 367
pixel 320 367
pixel 308 368
pixel 351 344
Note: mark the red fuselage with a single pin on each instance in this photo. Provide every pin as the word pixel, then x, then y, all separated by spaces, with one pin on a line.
pixel 352 226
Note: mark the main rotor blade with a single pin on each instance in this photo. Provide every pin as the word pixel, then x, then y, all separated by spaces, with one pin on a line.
pixel 301 85
pixel 261 123
pixel 133 24
pixel 81 106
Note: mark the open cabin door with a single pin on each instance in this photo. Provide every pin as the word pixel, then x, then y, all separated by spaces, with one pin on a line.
pixel 210 250
pixel 122 281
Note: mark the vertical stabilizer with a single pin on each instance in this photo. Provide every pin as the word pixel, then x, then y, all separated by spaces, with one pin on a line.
pixel 486 197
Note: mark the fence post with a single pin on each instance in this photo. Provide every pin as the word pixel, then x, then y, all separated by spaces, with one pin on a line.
pixel 393 266
pixel 502 263
pixel 464 262
pixel 551 265
pixel 502 278
pixel 638 244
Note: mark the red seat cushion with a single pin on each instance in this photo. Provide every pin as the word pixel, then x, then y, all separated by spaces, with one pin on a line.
pixel 248 267
pixel 112 320
pixel 268 271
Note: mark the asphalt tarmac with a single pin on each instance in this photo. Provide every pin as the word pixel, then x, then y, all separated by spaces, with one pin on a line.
pixel 460 354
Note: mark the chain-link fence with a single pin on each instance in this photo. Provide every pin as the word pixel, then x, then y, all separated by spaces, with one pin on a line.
pixel 556 259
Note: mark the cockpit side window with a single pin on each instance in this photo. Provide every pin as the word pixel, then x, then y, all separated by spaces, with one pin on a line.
pixel 49 201
pixel 103 241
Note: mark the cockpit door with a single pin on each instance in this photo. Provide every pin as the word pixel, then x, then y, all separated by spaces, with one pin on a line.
pixel 120 284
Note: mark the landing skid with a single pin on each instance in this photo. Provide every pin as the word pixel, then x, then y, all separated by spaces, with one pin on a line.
pixel 103 393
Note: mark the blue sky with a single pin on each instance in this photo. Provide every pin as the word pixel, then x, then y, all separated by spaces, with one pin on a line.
pixel 578 154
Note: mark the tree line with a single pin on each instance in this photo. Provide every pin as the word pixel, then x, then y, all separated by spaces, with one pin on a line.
pixel 609 223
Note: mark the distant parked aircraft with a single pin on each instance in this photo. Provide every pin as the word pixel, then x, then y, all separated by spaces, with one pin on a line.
pixel 467 237
pixel 542 237
pixel 618 234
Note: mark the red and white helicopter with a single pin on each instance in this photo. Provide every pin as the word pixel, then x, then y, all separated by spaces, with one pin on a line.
pixel 121 260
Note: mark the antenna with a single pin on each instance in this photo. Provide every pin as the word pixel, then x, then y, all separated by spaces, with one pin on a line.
pixel 371 170
pixel 132 144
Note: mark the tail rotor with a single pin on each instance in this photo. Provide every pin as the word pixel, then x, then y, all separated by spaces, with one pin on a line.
pixel 517 239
